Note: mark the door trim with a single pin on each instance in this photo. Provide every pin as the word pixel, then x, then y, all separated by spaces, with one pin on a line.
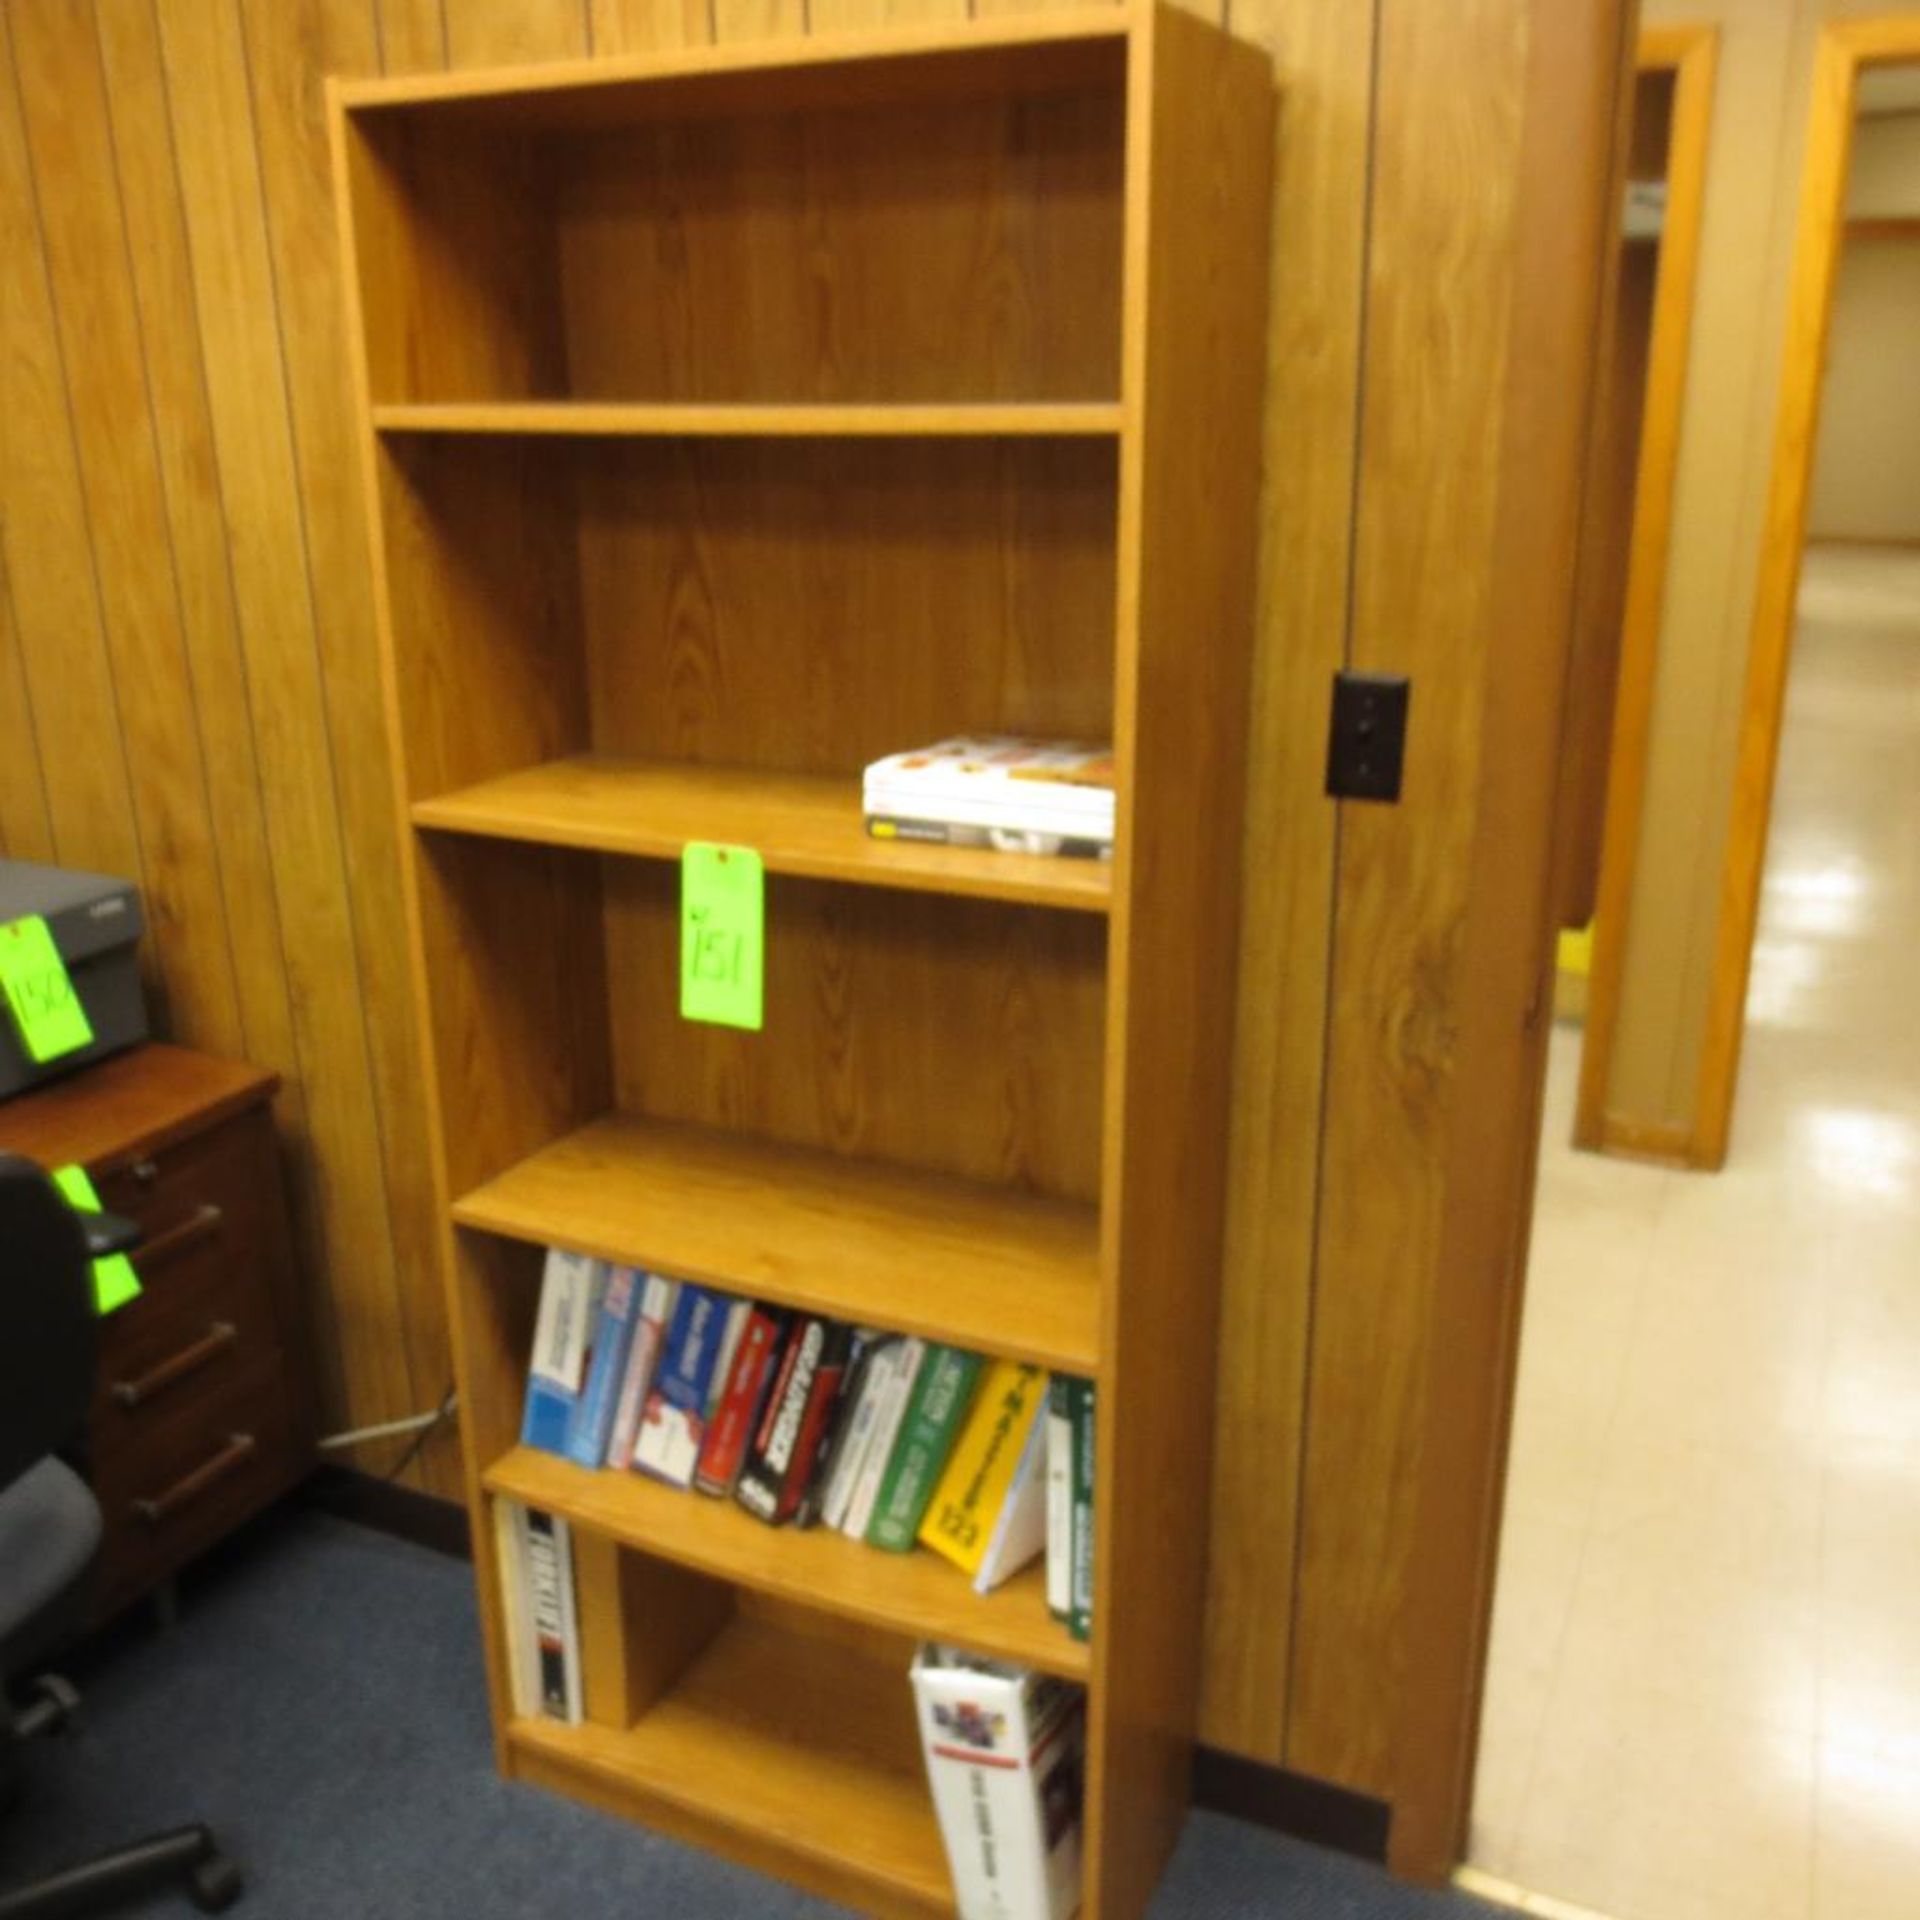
pixel 1844 48
pixel 1691 55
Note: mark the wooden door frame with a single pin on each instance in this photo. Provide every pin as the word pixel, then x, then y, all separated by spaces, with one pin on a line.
pixel 1845 47
pixel 1691 55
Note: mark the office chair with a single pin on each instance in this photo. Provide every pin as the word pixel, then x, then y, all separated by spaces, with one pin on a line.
pixel 50 1529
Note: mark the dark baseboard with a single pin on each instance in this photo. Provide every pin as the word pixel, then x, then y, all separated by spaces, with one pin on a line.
pixel 1291 1803
pixel 409 1515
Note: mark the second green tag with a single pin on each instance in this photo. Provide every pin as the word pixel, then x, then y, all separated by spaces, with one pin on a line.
pixel 723 892
pixel 114 1280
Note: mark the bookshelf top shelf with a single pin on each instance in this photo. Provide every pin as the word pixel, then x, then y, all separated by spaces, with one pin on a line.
pixel 799 824
pixel 858 1240
pixel 1020 53
pixel 917 1593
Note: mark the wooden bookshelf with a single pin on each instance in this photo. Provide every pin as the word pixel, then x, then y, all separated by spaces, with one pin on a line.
pixel 731 418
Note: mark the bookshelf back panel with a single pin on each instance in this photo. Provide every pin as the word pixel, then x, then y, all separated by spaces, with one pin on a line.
pixel 957 248
pixel 964 1036
pixel 966 251
pixel 807 606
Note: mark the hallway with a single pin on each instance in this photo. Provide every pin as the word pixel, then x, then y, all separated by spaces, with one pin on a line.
pixel 1703 1695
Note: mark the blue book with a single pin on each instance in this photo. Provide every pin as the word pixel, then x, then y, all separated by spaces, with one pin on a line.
pixel 569 1299
pixel 592 1421
pixel 675 1421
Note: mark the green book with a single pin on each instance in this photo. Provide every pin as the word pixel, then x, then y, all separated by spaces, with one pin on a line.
pixel 941 1396
pixel 1080 1614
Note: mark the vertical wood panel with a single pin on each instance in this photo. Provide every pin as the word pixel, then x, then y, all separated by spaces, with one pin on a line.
pixel 196 535
pixel 1313 369
pixel 71 155
pixel 500 32
pixel 1438 294
pixel 640 26
pixel 291 45
pixel 758 19
pixel 204 59
pixel 48 551
pixel 26 828
pixel 413 36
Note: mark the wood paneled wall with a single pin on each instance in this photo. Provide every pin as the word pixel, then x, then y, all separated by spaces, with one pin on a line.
pixel 187 695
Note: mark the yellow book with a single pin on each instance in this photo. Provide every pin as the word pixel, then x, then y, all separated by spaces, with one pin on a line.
pixel 973 1486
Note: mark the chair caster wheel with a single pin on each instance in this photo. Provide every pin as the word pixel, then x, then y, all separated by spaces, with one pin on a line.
pixel 215 1884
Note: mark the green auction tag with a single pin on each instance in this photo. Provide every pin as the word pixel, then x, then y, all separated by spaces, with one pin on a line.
pixel 45 1007
pixel 723 926
pixel 114 1280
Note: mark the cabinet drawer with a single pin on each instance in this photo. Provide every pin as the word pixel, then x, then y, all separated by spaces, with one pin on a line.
pixel 165 1344
pixel 205 1261
pixel 166 1189
pixel 194 1478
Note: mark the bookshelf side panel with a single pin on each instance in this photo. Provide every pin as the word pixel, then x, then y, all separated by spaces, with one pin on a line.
pixel 1199 179
pixel 482 581
pixel 457 264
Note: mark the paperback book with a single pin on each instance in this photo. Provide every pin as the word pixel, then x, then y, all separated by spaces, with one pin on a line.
pixel 974 1485
pixel 543 1626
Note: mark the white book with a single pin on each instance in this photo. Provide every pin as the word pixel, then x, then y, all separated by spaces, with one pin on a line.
pixel 570 1288
pixel 1020 1532
pixel 1059 1501
pixel 886 1430
pixel 1003 771
pixel 544 1660
pixel 1005 1752
pixel 850 1458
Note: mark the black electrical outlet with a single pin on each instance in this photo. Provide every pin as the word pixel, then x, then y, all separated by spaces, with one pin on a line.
pixel 1367 740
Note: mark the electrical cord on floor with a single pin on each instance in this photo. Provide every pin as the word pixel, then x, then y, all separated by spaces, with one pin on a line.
pixel 449 1401
pixel 422 1426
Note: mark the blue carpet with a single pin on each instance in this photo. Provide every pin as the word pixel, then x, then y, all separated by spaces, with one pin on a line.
pixel 320 1704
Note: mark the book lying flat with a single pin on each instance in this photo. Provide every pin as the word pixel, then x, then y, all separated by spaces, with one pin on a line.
pixel 996 790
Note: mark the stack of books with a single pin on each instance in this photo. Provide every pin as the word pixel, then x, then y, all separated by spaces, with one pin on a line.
pixel 994 790
pixel 804 1421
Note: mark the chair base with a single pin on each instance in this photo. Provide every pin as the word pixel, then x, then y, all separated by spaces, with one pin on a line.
pixel 186 1857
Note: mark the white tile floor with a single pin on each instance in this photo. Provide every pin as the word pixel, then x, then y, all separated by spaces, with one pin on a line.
pixel 1703 1699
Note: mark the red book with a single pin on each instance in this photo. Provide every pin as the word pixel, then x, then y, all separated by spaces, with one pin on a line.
pixel 738 1408
pixel 822 1397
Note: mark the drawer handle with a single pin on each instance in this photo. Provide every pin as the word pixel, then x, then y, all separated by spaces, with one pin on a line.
pixel 155 1253
pixel 189 1487
pixel 145 1171
pixel 215 1341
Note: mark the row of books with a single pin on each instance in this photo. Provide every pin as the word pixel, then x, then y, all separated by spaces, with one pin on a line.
pixel 806 1421
pixel 996 790
pixel 1004 1746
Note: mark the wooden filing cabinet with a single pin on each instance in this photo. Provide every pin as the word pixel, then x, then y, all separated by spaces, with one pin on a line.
pixel 203 1406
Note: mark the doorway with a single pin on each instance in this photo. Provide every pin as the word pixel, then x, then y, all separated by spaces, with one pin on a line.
pixel 1703 1693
